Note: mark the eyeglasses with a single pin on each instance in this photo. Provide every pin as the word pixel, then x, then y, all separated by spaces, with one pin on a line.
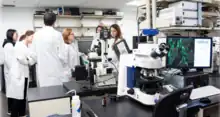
pixel 72 34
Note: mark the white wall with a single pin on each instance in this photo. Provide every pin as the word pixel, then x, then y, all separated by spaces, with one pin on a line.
pixel 129 25
pixel 17 18
pixel 1 33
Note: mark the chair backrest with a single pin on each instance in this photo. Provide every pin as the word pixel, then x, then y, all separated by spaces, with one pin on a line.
pixel 167 106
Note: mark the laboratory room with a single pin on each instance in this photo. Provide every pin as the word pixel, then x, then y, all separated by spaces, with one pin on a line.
pixel 109 58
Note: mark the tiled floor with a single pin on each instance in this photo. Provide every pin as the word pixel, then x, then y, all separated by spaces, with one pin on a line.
pixel 3 102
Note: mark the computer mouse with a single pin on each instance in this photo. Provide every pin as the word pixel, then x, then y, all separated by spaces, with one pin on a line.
pixel 205 100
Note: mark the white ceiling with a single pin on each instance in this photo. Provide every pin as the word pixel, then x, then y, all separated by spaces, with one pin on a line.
pixel 117 4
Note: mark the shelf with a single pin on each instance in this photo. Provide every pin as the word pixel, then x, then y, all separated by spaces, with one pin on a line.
pixel 112 17
pixel 210 14
pixel 59 16
pixel 83 36
pixel 171 1
pixel 189 28
pixel 85 16
pixel 88 26
pixel 60 27
pixel 185 28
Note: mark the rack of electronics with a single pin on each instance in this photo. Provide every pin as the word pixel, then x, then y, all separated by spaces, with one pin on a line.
pixel 187 18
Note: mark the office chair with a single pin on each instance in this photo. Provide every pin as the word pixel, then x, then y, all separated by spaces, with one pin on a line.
pixel 174 104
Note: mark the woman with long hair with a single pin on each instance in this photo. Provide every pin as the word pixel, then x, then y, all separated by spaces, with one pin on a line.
pixel 8 48
pixel 116 35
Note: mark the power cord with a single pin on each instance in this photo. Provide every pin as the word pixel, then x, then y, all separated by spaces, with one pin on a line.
pixel 112 64
pixel 111 77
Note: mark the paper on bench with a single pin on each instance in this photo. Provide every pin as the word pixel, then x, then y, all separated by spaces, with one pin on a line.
pixel 203 92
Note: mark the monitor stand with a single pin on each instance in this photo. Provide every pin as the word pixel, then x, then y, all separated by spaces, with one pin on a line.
pixel 186 70
pixel 199 69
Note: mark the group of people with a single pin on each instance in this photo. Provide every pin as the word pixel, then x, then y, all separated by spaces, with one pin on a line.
pixel 55 54
pixel 116 36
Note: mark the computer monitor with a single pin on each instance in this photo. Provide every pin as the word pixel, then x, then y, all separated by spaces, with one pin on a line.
pixel 142 39
pixel 84 46
pixel 121 47
pixel 189 52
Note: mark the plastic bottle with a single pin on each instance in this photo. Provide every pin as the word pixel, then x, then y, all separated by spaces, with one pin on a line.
pixel 76 106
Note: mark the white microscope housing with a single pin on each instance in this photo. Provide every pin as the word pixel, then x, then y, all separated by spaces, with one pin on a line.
pixel 139 71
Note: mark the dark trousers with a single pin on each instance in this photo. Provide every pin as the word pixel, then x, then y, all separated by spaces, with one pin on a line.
pixel 9 104
pixel 19 106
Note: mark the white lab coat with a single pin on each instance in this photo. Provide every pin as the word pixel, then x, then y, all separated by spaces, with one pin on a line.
pixel 2 56
pixel 8 55
pixel 49 47
pixel 21 60
pixel 95 42
pixel 77 53
pixel 70 56
pixel 111 52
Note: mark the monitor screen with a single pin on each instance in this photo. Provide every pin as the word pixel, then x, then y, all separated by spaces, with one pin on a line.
pixel 84 46
pixel 189 52
pixel 143 39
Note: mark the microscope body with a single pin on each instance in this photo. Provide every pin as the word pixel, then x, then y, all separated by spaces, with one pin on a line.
pixel 102 71
pixel 138 76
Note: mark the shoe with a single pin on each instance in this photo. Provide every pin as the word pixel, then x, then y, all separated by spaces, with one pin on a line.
pixel 9 113
pixel 24 116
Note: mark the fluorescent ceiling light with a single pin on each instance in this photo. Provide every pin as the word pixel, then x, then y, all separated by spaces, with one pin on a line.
pixel 136 3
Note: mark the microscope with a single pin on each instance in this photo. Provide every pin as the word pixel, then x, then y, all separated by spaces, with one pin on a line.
pixel 139 76
pixel 100 71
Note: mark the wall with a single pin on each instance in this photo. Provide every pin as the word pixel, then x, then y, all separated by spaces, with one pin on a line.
pixel 129 25
pixel 1 25
pixel 17 18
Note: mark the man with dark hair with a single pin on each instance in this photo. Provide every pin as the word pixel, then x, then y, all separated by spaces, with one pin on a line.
pixel 49 47
pixel 49 19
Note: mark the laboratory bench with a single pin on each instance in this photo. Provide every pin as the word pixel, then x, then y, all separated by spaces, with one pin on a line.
pixel 124 107
pixel 52 100
pixel 84 89
pixel 48 100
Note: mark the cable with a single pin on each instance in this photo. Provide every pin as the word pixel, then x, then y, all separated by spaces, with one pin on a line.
pixel 174 71
pixel 113 65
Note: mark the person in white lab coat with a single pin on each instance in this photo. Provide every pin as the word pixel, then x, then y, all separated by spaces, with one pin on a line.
pixel 116 35
pixel 19 75
pixel 8 48
pixel 76 49
pixel 70 55
pixel 96 40
pixel 49 47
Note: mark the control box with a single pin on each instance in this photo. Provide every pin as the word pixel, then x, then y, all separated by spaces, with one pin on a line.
pixel 186 5
pixel 177 17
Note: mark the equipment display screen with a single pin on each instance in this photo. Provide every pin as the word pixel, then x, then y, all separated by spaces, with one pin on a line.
pixel 84 46
pixel 189 52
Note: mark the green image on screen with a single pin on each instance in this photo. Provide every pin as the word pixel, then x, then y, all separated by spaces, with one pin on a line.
pixel 181 53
